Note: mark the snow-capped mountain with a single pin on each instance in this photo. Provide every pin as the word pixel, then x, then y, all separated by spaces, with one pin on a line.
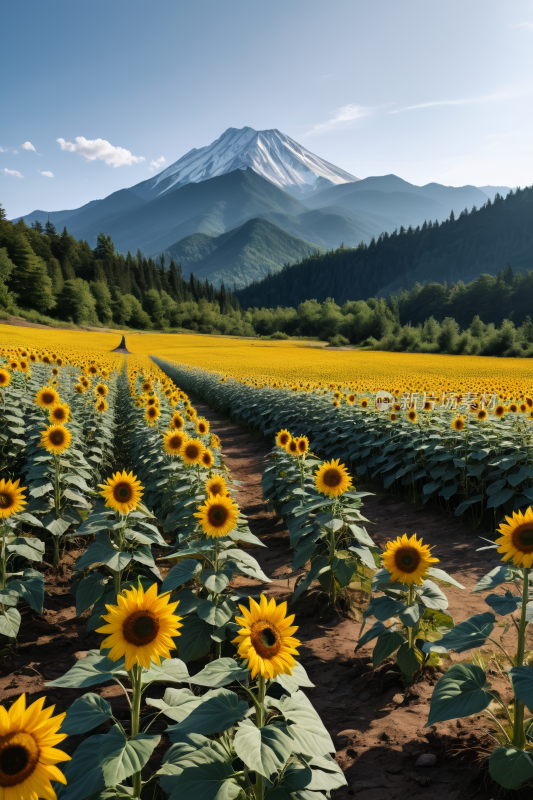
pixel 271 154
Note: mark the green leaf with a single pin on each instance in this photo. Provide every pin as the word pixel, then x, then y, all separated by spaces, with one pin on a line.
pixel 187 600
pixel 522 680
pixel 181 573
pixel 462 691
pixel 411 615
pixel 83 774
pixel 209 781
pixel 32 549
pixel 409 659
pixel 214 614
pixel 375 630
pixel 56 526
pixel 30 587
pixel 383 608
pixel 171 669
pixel 305 726
pixel 176 704
pixel 120 757
pixel 499 499
pixel 494 578
pixel 9 623
pixel 220 709
pixel 219 673
pixel 263 750
pixel 89 590
pixel 469 634
pixel 86 713
pixel 216 581
pixel 432 596
pixel 298 677
pixel 388 641
pixel 102 551
pixel 509 767
pixel 93 669
pixel 440 575
pixel 461 508
pixel 195 640
pixel 504 604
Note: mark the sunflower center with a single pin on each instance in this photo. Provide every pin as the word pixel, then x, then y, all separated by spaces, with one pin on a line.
pixel 284 438
pixel 332 477
pixel 217 515
pixel 175 442
pixel 407 559
pixel 48 398
pixel 192 451
pixel 57 438
pixel 6 500
pixel 141 628
pixel 122 492
pixel 19 755
pixel 266 639
pixel 524 540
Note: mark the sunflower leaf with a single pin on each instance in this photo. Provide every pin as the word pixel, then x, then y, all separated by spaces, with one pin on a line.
pixel 120 758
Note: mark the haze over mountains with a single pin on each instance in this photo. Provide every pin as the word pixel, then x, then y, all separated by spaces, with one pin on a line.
pixel 252 201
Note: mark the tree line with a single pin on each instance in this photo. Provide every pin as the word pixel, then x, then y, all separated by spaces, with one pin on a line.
pixel 43 272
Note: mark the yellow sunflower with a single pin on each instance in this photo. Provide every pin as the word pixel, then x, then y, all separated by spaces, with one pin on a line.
pixel 147 387
pixel 5 377
pixel 207 458
pixel 499 411
pixel 101 389
pixel 283 438
pixel 216 485
pixel 292 448
pixel 393 417
pixel 101 405
pixel 192 451
pixel 28 754
pixel 364 403
pixel 122 492
pixel 151 414
pixel 412 416
pixel 408 560
pixel 516 541
pixel 202 426
pixel 332 478
pixel 47 397
pixel 266 640
pixel 218 515
pixel 177 421
pixel 79 388
pixel 351 399
pixel 56 439
pixel 214 442
pixel 302 445
pixel 481 414
pixel 11 498
pixel 458 424
pixel 173 442
pixel 141 627
pixel 59 413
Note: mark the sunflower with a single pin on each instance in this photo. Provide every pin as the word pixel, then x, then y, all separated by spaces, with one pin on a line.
pixel 101 389
pixel 151 414
pixel 332 479
pixel 412 416
pixel 122 492
pixel 202 426
pixel 79 388
pixel 56 439
pixel 292 448
pixel 191 413
pixel 11 498
pixel 513 408
pixel 85 382
pixel 24 366
pixel 59 413
pixel 27 750
pixel 218 515
pixel 152 401
pixel 207 458
pixel 13 365
pixel 335 404
pixel 283 438
pixel 266 639
pixel 146 387
pixel 350 399
pixel 458 424
pixel 522 408
pixel 140 627
pixel 101 405
pixel 481 414
pixel 499 411
pixel 302 445
pixel 5 377
pixel 47 397
pixel 408 560
pixel 177 421
pixel 516 541
pixel 173 442
pixel 192 451
pixel 214 442
pixel 216 485
pixel 393 417
pixel 364 403
pixel 92 370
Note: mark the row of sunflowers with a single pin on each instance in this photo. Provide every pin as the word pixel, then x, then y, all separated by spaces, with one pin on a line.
pixel 164 537
pixel 478 463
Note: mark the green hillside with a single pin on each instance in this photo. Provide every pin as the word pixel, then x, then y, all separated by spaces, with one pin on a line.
pixel 459 249
pixel 247 253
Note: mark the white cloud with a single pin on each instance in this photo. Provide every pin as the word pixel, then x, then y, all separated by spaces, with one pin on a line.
pixel 46 173
pixel 91 149
pixel 465 101
pixel 2 150
pixel 28 146
pixel 342 115
pixel 16 152
pixel 528 25
pixel 13 172
pixel 155 163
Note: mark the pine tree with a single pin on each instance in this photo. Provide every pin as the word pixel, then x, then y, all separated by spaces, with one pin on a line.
pixel 50 230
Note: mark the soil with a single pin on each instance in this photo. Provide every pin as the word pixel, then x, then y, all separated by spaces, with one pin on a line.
pixel 376 724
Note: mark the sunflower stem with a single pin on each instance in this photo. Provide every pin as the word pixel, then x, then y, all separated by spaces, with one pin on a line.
pixel 135 677
pixel 519 736
pixel 261 690
pixel 410 598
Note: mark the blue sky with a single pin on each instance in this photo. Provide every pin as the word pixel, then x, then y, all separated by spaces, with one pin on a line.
pixel 439 91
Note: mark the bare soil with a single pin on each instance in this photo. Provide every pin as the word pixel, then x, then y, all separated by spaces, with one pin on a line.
pixel 377 725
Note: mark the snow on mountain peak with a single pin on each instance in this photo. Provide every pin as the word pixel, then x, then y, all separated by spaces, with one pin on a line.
pixel 270 153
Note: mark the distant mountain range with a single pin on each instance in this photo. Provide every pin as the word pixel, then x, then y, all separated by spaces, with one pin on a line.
pixel 253 201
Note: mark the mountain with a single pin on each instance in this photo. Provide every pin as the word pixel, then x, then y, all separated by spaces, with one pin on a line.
pixel 271 154
pixel 241 255
pixel 492 191
pixel 475 243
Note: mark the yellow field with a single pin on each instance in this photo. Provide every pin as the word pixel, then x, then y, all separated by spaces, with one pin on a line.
pixel 299 362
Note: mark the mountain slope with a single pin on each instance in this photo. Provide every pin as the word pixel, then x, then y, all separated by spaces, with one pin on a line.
pixel 239 256
pixel 270 153
pixel 476 243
